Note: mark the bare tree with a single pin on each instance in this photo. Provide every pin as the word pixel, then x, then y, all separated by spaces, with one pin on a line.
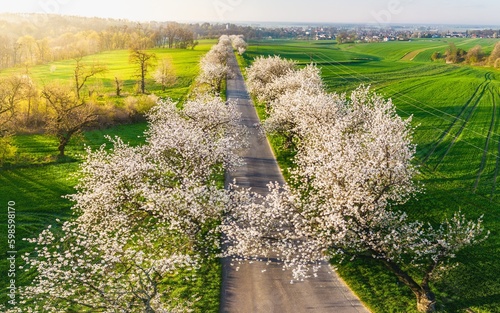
pixel 144 61
pixel 12 91
pixel 83 72
pixel 475 55
pixel 171 32
pixel 27 49
pixel 119 85
pixel 69 115
pixel 454 54
pixel 495 55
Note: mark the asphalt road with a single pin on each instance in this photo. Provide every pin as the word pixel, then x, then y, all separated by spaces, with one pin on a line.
pixel 257 287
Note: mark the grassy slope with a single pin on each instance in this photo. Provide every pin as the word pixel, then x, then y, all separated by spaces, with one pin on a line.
pixel 36 183
pixel 458 137
pixel 118 65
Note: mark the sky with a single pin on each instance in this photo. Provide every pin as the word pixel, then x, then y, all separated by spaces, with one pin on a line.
pixel 463 12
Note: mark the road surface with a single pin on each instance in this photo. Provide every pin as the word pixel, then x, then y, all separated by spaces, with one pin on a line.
pixel 261 288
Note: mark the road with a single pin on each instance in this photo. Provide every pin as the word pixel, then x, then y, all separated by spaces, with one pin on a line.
pixel 261 288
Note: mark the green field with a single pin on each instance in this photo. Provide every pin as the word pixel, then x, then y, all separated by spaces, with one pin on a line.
pixel 185 64
pixel 36 180
pixel 456 110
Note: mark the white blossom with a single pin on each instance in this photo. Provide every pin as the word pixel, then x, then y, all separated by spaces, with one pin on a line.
pixel 140 212
pixel 353 167
pixel 264 71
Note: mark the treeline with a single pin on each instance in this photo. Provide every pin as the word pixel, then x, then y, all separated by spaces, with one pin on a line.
pixel 475 56
pixel 30 39
pixel 207 30
pixel 37 39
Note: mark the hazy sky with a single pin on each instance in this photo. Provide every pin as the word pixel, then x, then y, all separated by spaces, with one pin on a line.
pixel 484 12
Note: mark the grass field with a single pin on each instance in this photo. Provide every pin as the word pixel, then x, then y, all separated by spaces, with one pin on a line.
pixel 185 63
pixel 456 112
pixel 36 180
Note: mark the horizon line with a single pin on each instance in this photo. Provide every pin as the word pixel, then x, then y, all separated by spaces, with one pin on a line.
pixel 466 24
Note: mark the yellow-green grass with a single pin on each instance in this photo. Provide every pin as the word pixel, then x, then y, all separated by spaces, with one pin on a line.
pixel 117 63
pixel 456 112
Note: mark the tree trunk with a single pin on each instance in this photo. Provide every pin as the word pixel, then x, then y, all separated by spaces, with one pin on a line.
pixel 425 297
pixel 143 82
pixel 118 89
pixel 426 302
pixel 63 142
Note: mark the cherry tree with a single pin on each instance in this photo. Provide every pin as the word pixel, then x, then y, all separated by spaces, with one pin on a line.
pixel 224 40
pixel 214 69
pixel 351 174
pixel 239 43
pixel 296 101
pixel 217 54
pixel 213 75
pixel 88 272
pixel 165 74
pixel 297 112
pixel 142 214
pixel 307 79
pixel 264 71
pixel 207 134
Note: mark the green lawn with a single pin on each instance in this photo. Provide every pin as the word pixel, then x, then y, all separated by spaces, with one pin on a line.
pixel 456 111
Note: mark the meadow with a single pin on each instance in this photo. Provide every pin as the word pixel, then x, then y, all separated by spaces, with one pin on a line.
pixel 455 109
pixel 37 181
pixel 118 65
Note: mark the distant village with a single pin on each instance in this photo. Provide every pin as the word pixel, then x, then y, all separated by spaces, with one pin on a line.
pixel 376 34
pixel 359 33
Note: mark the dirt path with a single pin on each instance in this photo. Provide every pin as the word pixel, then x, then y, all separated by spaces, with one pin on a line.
pixel 257 287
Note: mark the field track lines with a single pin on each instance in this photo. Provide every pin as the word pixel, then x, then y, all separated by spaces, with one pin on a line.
pixel 487 144
pixel 467 118
pixel 478 94
pixel 413 54
pixel 497 165
pixel 403 93
pixel 495 175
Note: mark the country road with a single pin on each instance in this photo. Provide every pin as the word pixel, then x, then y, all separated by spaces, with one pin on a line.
pixel 261 288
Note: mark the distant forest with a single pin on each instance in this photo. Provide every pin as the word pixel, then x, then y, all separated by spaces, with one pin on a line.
pixel 30 39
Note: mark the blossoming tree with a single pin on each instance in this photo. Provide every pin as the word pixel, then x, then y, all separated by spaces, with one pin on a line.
pixel 264 71
pixel 214 69
pixel 239 44
pixel 352 171
pixel 143 214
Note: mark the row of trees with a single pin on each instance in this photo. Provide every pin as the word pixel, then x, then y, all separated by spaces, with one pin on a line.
pixel 214 68
pixel 475 56
pixel 353 167
pixel 144 216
